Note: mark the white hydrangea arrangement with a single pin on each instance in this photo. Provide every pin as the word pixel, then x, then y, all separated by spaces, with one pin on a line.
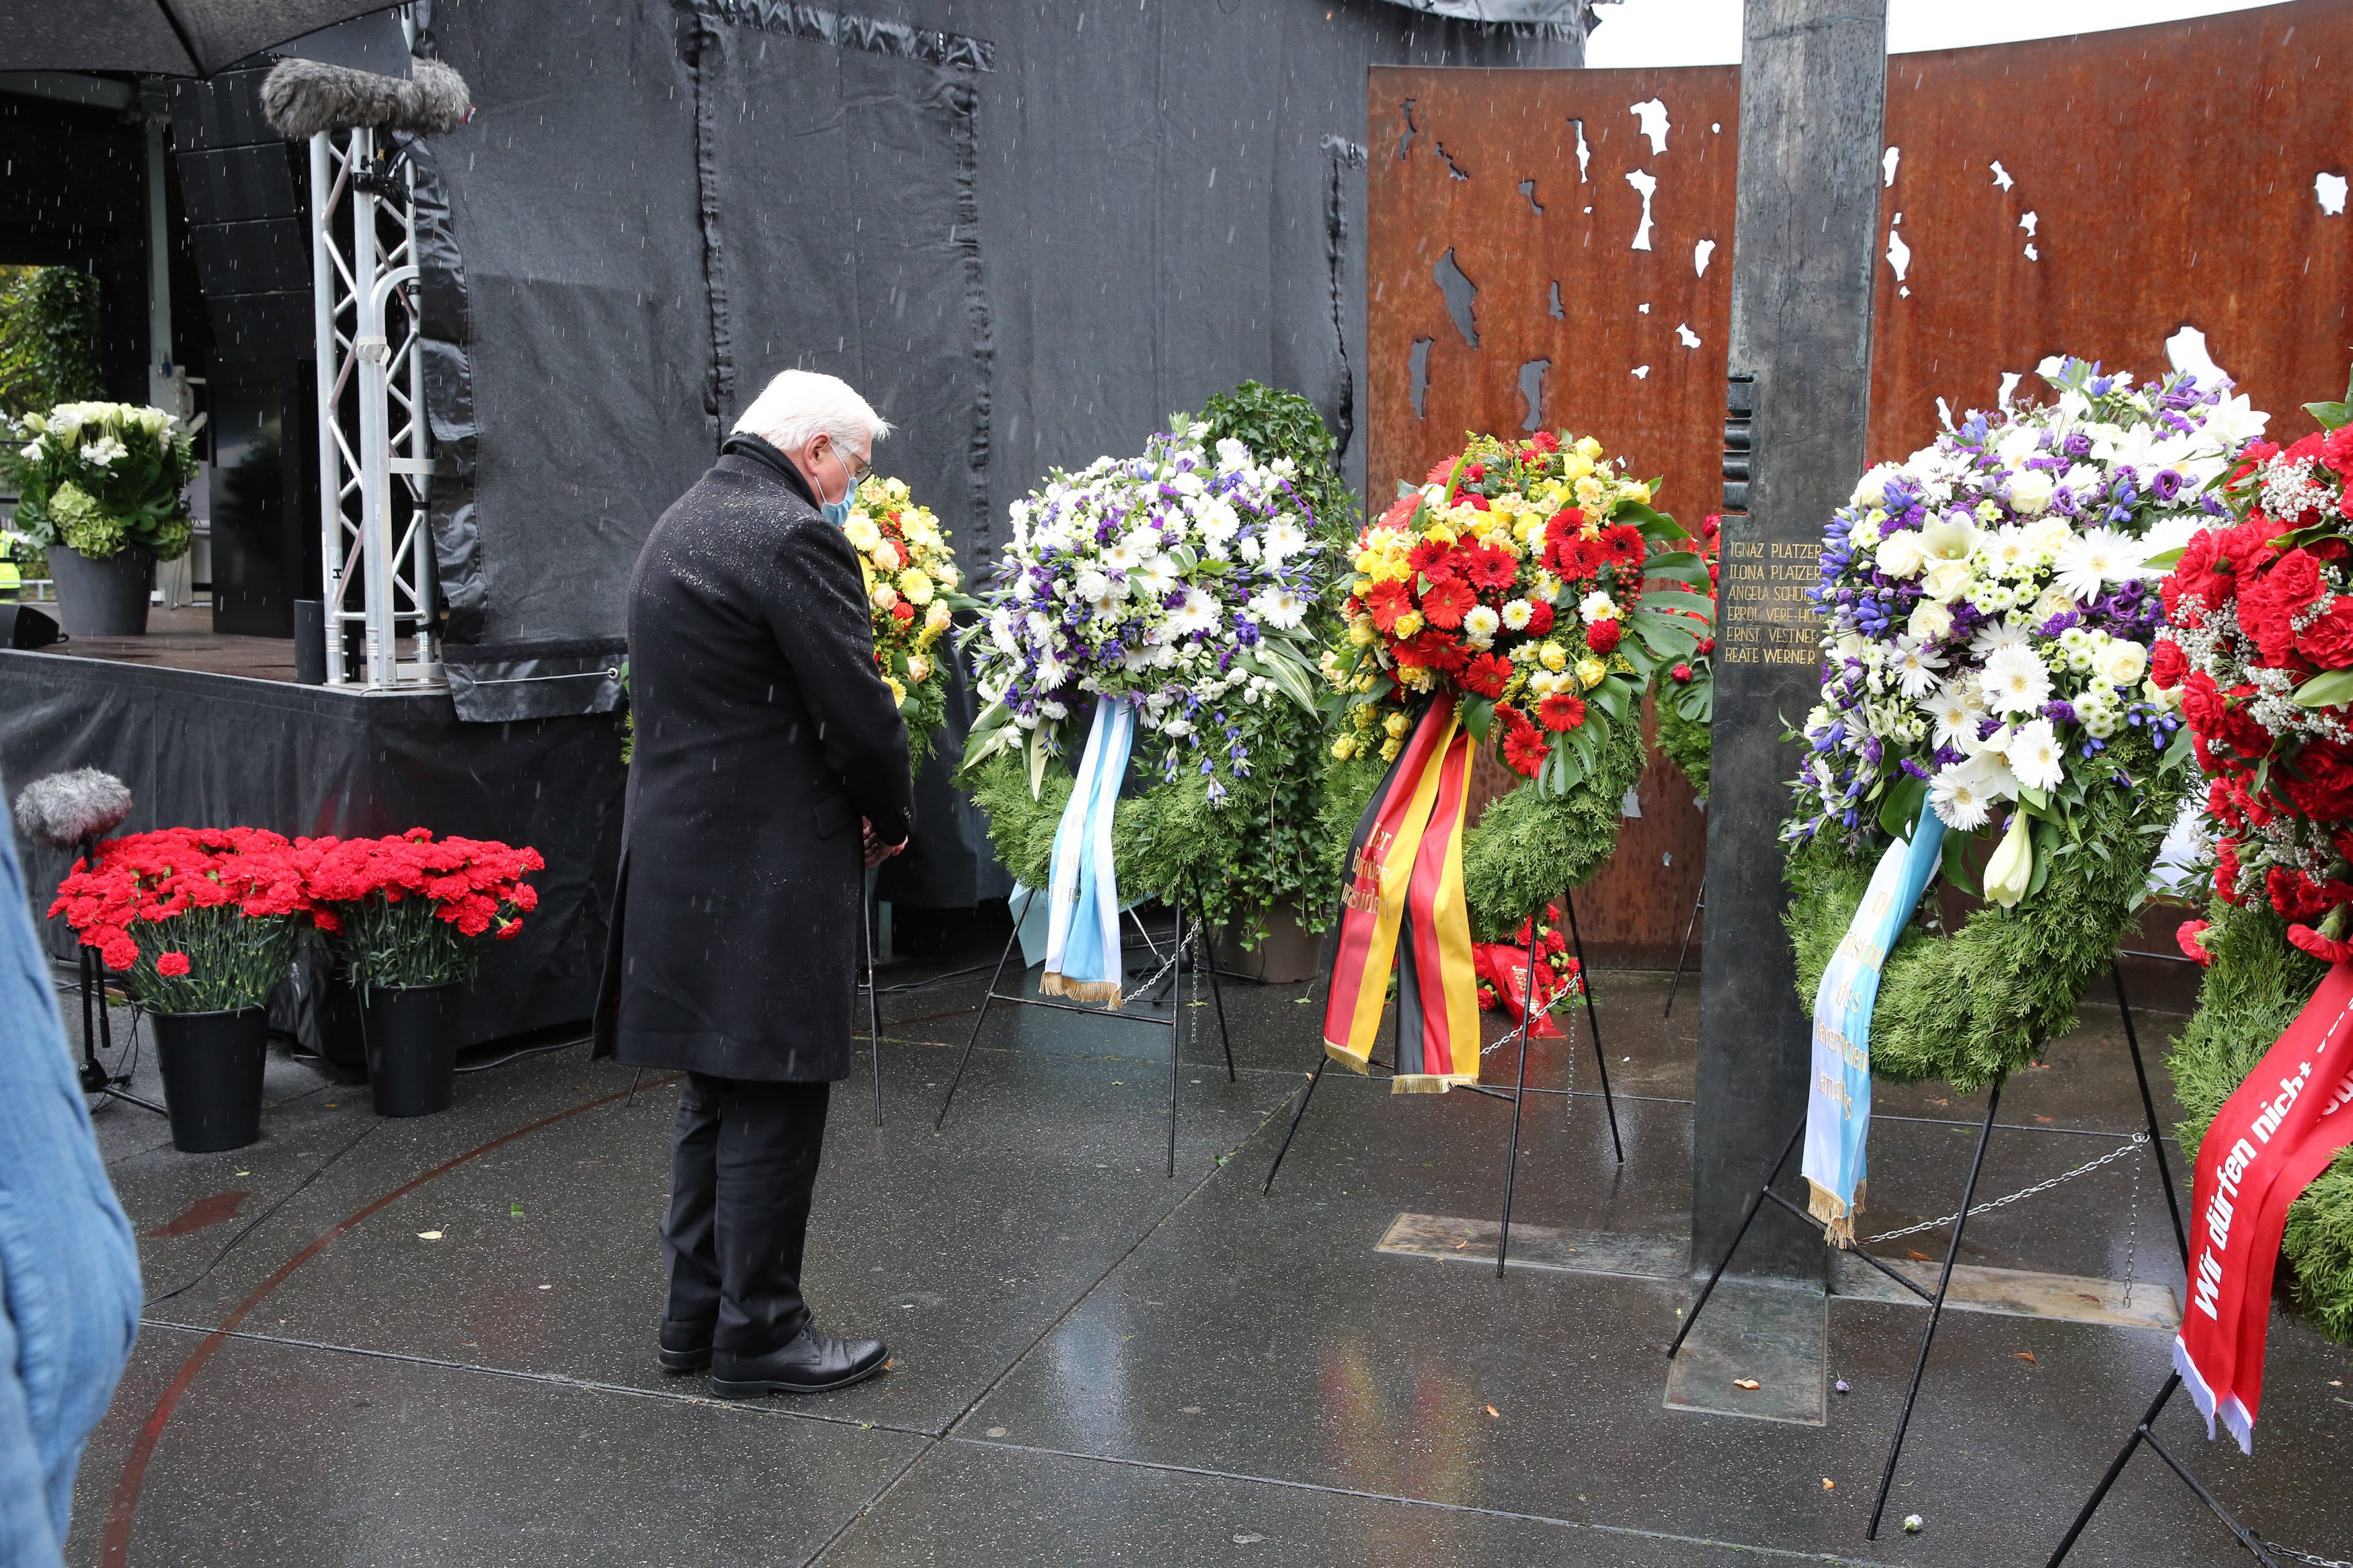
pixel 102 477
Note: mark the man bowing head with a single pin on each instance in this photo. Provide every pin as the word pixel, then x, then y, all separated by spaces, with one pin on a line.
pixel 770 765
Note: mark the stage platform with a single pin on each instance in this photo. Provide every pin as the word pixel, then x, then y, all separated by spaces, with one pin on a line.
pixel 441 1351
pixel 211 730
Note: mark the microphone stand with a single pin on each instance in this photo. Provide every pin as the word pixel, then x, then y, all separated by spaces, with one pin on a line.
pixel 95 1079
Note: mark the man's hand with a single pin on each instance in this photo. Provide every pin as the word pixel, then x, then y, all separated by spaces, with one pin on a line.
pixel 876 850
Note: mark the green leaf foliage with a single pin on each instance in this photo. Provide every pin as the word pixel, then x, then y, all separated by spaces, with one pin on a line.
pixel 49 339
pixel 1686 741
pixel 2256 986
pixel 1529 847
pixel 1968 1006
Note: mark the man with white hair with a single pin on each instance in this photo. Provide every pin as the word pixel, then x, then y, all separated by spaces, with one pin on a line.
pixel 764 732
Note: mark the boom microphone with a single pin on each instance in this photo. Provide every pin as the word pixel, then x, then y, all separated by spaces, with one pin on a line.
pixel 68 810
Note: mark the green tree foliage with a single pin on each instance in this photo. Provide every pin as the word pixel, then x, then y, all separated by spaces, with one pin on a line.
pixel 49 339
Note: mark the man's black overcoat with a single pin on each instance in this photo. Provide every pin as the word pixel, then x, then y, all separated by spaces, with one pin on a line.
pixel 764 733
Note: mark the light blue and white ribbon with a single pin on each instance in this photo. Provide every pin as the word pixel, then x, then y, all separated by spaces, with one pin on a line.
pixel 1838 1100
pixel 1082 955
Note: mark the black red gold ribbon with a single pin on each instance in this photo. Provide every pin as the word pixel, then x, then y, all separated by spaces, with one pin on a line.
pixel 1404 898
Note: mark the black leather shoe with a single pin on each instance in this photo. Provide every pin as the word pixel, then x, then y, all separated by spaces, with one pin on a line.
pixel 685 1347
pixel 812 1363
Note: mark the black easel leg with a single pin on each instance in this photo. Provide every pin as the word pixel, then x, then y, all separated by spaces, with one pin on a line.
pixel 874 1006
pixel 1217 994
pixel 1176 1030
pixel 1601 1058
pixel 1528 1016
pixel 1312 1080
pixel 1936 1312
pixel 949 1099
pixel 1746 1219
pixel 2115 1469
pixel 2148 1109
pixel 1689 927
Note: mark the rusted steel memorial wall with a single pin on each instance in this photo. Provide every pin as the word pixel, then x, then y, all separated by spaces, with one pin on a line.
pixel 1553 248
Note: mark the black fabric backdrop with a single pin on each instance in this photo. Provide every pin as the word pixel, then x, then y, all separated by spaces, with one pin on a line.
pixel 1026 229
pixel 219 751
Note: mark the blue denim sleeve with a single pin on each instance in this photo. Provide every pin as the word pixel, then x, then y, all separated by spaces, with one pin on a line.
pixel 28 1534
pixel 69 1265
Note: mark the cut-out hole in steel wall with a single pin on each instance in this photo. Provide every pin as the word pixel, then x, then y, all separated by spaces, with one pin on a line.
pixel 1461 296
pixel 1418 362
pixel 1584 154
pixel 1454 169
pixel 1405 139
pixel 1532 379
pixel 1557 314
pixel 1528 189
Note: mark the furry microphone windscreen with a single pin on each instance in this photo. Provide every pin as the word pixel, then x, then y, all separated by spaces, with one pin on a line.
pixel 303 98
pixel 65 810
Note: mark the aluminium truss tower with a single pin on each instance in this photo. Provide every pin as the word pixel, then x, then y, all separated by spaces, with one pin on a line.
pixel 378 589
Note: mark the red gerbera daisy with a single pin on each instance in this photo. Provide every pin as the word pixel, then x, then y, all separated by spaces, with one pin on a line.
pixel 1446 601
pixel 1561 711
pixel 1385 602
pixel 1439 475
pixel 1484 566
pixel 1401 509
pixel 1484 675
pixel 1524 747
pixel 1625 543
pixel 1431 559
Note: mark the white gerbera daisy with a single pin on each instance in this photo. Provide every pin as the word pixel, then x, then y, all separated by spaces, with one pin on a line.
pixel 2035 755
pixel 2092 559
pixel 1994 636
pixel 1963 795
pixel 1280 608
pixel 1597 606
pixel 1916 666
pixel 1479 627
pixel 1155 577
pixel 2014 680
pixel 1284 539
pixel 1516 614
pixel 1950 712
pixel 1198 613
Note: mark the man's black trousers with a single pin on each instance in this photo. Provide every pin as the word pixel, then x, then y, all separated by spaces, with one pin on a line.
pixel 743 1166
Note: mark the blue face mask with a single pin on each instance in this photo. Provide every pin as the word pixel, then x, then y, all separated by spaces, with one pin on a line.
pixel 839 511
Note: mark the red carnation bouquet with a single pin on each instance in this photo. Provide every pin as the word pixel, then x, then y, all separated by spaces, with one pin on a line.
pixel 409 910
pixel 198 920
pixel 1532 582
pixel 1503 968
pixel 2259 652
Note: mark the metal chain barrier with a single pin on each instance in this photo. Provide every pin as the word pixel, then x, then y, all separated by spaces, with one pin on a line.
pixel 2290 1552
pixel 2137 1141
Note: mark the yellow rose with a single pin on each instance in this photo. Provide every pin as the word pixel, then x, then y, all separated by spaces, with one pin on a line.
pixel 1394 724
pixel 1575 467
pixel 886 556
pixel 883 595
pixel 916 584
pixel 1440 533
pixel 1589 448
pixel 1590 671
pixel 1390 748
pixel 1361 631
pixel 919 668
pixel 1639 490
pixel 1344 747
pixel 1554 656
pixel 1406 624
pixel 1368 560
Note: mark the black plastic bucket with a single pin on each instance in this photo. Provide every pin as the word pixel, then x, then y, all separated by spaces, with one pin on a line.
pixel 212 1066
pixel 412 1047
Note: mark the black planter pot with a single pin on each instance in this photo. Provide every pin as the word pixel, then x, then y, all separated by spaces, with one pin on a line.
pixel 102 596
pixel 212 1076
pixel 412 1047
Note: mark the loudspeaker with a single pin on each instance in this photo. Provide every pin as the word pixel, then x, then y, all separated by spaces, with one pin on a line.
pixel 24 627
pixel 260 256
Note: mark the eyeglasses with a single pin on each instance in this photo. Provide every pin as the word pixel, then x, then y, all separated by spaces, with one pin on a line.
pixel 856 466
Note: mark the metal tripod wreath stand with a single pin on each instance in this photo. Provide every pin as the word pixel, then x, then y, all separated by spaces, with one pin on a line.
pixel 1175 969
pixel 1961 1219
pixel 1517 1094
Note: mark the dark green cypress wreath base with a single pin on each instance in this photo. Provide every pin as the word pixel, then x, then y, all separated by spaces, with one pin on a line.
pixel 1165 841
pixel 1525 848
pixel 2257 986
pixel 1688 745
pixel 1972 1005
